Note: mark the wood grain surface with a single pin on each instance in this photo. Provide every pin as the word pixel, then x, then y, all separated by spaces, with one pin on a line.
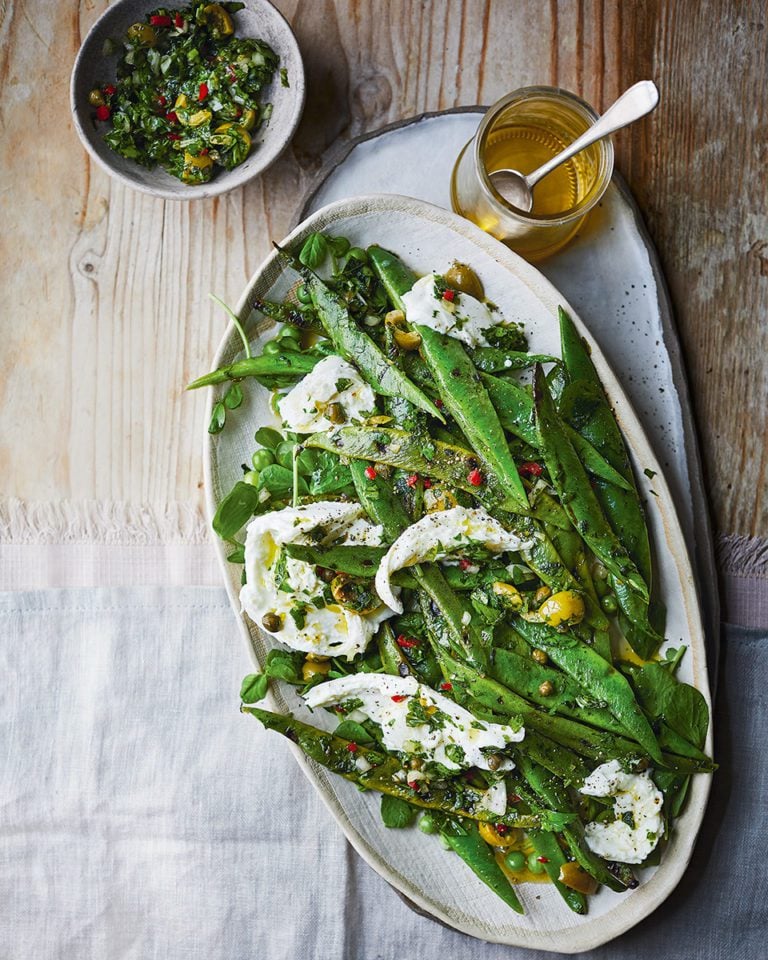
pixel 105 310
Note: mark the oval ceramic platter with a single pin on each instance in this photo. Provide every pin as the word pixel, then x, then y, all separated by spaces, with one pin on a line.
pixel 430 238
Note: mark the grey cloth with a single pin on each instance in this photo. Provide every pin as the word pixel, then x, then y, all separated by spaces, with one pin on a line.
pixel 141 816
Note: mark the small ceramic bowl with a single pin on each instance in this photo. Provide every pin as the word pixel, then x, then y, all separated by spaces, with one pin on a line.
pixel 258 19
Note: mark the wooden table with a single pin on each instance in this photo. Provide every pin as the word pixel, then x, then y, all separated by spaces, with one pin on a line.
pixel 105 291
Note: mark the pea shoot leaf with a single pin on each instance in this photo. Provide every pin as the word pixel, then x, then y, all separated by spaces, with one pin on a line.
pixel 396 813
pixel 314 251
pixel 254 687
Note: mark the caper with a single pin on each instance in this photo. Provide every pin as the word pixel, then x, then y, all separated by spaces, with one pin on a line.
pixel 609 604
pixel 96 98
pixel 495 760
pixel 272 622
pixel 463 278
pixel 335 412
pixel 539 656
pixel 546 689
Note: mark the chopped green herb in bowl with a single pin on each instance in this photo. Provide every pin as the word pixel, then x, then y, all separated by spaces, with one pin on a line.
pixel 195 93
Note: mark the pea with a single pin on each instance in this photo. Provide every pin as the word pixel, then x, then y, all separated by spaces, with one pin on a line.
pixel 284 453
pixel 288 344
pixel 290 333
pixel 357 253
pixel 515 860
pixel 427 824
pixel 262 458
pixel 271 347
pixel 302 294
pixel 251 477
pixel 533 864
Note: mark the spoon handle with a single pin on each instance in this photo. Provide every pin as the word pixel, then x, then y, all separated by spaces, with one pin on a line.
pixel 634 103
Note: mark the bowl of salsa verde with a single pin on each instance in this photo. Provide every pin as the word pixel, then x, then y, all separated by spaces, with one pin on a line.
pixel 187 100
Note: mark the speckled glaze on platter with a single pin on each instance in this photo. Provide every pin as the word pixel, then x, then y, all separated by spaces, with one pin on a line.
pixel 429 237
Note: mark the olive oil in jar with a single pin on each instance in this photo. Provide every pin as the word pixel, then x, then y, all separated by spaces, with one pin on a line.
pixel 525 147
pixel 522 131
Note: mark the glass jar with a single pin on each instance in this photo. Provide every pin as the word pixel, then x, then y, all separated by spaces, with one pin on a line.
pixel 522 131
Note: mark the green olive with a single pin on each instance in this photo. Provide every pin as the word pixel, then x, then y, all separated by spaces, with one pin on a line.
pixel 427 824
pixel 335 413
pixel 272 622
pixel 533 864
pixel 96 98
pixel 262 459
pixel 251 477
pixel 515 860
pixel 142 33
pixel 463 278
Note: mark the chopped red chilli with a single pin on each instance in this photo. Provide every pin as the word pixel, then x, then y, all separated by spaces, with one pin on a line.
pixel 352 747
pixel 203 92
pixel 412 480
pixel 174 136
pixel 110 90
pixel 446 686
pixel 464 564
pixel 103 112
pixel 406 643
pixel 160 20
pixel 178 21
pixel 502 829
pixel 427 484
pixel 449 295
pixel 475 478
pixel 514 798
pixel 542 859
pixel 172 116
pixel 370 472
pixel 162 100
pixel 399 697
pixel 530 469
pixel 413 784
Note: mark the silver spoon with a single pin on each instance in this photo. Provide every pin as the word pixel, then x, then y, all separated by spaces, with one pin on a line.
pixel 517 188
